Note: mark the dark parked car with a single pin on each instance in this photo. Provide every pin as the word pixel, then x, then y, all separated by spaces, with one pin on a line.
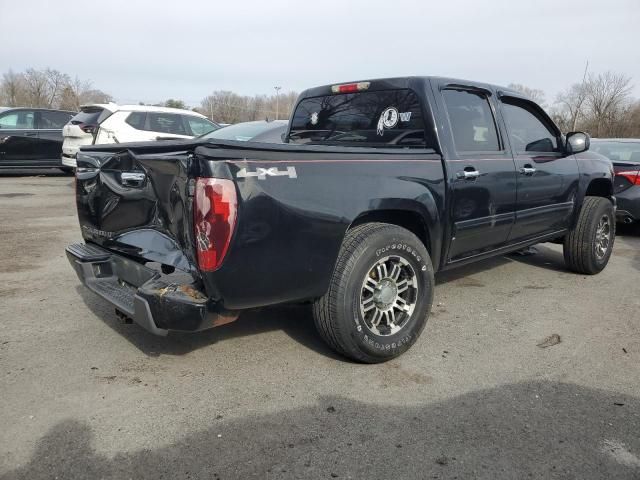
pixel 625 155
pixel 353 218
pixel 265 131
pixel 32 137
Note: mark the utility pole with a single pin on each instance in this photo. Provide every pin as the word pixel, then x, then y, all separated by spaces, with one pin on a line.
pixel 582 95
pixel 277 89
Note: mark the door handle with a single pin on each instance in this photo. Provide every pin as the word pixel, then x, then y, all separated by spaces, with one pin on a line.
pixel 132 179
pixel 527 170
pixel 30 134
pixel 468 173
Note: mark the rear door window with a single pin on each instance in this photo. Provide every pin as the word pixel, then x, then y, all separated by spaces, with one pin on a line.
pixel 386 118
pixel 472 123
pixel 53 120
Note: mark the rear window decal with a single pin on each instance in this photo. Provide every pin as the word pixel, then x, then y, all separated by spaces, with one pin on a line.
pixel 388 119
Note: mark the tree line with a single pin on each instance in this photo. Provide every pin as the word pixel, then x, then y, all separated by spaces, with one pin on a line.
pixel 602 104
pixel 48 88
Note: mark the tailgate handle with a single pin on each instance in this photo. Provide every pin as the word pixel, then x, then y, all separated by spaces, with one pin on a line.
pixel 132 179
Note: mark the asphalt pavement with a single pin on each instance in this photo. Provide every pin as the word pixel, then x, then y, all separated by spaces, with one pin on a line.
pixel 83 395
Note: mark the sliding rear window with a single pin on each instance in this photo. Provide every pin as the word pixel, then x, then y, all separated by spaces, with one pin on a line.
pixel 387 118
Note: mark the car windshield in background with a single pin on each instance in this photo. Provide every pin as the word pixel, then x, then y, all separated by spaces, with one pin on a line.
pixel 387 118
pixel 244 132
pixel 618 151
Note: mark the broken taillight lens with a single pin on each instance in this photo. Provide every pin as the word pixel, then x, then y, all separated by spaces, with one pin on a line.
pixel 214 216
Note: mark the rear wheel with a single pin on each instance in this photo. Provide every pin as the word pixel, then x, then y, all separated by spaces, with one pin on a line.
pixel 588 247
pixel 380 294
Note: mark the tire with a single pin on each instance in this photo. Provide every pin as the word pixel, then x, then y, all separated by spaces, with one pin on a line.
pixel 385 270
pixel 584 249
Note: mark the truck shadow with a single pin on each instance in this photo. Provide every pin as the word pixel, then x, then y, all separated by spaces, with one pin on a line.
pixel 295 320
pixel 526 430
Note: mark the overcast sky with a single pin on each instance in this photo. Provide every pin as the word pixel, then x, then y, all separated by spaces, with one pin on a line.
pixel 153 50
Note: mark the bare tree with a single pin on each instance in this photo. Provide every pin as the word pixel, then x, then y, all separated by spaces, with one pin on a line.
pixel 571 105
pixel 533 93
pixel 12 89
pixel 48 88
pixel 607 95
pixel 229 107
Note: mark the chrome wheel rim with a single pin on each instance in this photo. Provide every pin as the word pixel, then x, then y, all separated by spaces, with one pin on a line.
pixel 603 237
pixel 388 295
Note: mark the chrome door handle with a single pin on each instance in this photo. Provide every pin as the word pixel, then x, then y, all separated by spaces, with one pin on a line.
pixel 468 174
pixel 132 179
pixel 527 170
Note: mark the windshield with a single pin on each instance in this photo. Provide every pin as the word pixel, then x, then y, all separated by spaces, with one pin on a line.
pixel 618 151
pixel 243 132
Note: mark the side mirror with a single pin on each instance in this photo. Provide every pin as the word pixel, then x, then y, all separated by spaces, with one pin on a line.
pixel 578 142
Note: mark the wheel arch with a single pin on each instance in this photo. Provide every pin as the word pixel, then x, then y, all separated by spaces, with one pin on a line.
pixel 600 187
pixel 412 219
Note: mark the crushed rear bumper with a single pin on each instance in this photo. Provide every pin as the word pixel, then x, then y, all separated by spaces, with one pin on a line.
pixel 140 293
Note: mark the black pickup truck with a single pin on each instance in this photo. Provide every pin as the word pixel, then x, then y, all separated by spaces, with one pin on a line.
pixel 377 185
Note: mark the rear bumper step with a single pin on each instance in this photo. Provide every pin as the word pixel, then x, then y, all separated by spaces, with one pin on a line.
pixel 140 294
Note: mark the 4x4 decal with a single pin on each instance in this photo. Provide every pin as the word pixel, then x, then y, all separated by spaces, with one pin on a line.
pixel 263 173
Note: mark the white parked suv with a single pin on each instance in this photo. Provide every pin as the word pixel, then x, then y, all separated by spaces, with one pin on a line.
pixel 112 123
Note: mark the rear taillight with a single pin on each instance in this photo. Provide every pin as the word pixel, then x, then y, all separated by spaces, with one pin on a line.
pixel 214 215
pixel 632 176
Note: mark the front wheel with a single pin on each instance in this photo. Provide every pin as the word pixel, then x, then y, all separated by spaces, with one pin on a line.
pixel 588 247
pixel 380 294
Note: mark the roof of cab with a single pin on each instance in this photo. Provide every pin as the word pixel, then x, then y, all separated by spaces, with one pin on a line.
pixel 406 82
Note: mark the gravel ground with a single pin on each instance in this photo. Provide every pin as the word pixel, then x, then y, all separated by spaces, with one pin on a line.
pixel 84 396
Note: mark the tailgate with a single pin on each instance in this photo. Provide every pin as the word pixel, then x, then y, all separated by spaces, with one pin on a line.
pixel 138 204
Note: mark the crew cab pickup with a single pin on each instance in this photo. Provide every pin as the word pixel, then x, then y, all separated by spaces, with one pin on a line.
pixel 378 185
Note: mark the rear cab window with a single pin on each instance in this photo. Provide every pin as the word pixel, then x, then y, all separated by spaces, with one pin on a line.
pixel 383 118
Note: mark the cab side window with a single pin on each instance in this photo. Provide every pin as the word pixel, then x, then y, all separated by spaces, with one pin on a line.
pixel 528 130
pixel 472 123
pixel 20 120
